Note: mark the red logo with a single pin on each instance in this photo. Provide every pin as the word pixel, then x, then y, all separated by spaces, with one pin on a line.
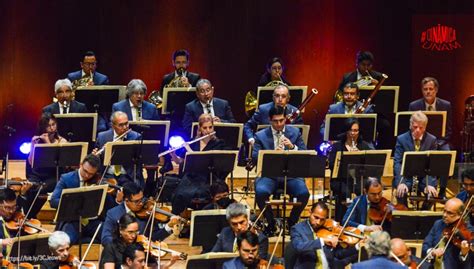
pixel 439 38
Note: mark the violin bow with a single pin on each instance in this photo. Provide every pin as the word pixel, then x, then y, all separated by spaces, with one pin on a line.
pixel 396 258
pixel 275 248
pixel 258 218
pixel 89 245
pixel 348 218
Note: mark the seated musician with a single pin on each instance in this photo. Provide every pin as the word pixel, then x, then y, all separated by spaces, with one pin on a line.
pixel 273 74
pixel 196 185
pixel 248 248
pixel 134 105
pixel 348 105
pixel 237 216
pixel 219 196
pixel 403 253
pixel 434 245
pixel 65 103
pixel 371 198
pixel 181 77
pixel 281 97
pixel 134 257
pixel 467 178
pixel 125 173
pixel 378 248
pixel 416 139
pixel 313 251
pixel 58 243
pixel 279 137
pixel 8 208
pixel 205 102
pixel 351 140
pixel 133 202
pixel 83 176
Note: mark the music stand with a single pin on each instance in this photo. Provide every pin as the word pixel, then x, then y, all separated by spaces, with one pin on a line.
pixel 286 164
pixel 298 94
pixel 436 120
pixel 304 130
pixel 334 125
pixel 212 260
pixel 78 203
pixel 99 99
pixel 58 155
pixel 175 99
pixel 205 225
pixel 231 133
pixel 414 225
pixel 386 100
pixel 33 248
pixel 134 152
pixel 153 130
pixel 77 127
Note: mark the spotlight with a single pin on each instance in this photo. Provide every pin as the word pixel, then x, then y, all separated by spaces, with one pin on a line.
pixel 176 141
pixel 324 148
pixel 25 148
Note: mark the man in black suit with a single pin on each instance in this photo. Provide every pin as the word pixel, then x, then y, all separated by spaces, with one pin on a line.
pixel 65 104
pixel 186 78
pixel 205 102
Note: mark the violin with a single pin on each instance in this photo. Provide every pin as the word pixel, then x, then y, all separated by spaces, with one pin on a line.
pixel 382 211
pixel 72 262
pixel 348 236
pixel 461 232
pixel 23 265
pixel 16 183
pixel 162 214
pixel 158 249
pixel 111 182
pixel 30 226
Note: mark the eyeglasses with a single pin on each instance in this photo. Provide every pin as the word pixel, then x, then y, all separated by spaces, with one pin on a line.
pixel 10 208
pixel 282 96
pixel 138 201
pixel 90 64
pixel 124 124
pixel 132 232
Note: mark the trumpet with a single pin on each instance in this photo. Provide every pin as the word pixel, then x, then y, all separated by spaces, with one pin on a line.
pixel 116 139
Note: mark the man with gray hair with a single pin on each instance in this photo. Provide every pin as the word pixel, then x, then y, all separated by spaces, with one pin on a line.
pixel 58 243
pixel 205 102
pixel 378 248
pixel 65 104
pixel 238 217
pixel 416 139
pixel 134 105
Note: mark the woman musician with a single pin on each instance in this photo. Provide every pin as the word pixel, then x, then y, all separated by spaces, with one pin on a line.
pixel 273 74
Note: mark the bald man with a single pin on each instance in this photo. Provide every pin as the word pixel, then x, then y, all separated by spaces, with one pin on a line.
pixel 453 257
pixel 403 253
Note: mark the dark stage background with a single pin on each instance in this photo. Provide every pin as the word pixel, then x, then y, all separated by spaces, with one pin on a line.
pixel 230 41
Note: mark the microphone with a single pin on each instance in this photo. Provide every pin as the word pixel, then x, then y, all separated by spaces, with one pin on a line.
pixel 139 110
pixel 65 107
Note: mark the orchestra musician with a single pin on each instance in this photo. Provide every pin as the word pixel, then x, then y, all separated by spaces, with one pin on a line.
pixel 196 185
pixel 59 244
pixel 65 103
pixel 313 251
pixel 279 136
pixel 450 256
pixel 237 216
pixel 8 208
pixel 372 197
pixel 351 140
pixel 273 74
pixel 181 77
pixel 416 139
pixel 219 191
pixel 403 253
pixel 134 257
pixel 88 69
pixel 205 102
pixel 132 203
pixel 248 248
pixel 467 178
pixel 378 248
pixel 121 173
pixel 281 97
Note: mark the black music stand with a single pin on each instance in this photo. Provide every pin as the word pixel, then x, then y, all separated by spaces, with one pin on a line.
pixel 265 95
pixel 205 225
pixel 99 99
pixel 413 225
pixel 78 203
pixel 58 155
pixel 286 164
pixel 175 99
pixel 34 248
pixel 153 130
pixel 77 127
pixel 334 126
pixel 231 133
pixel 209 260
pixel 436 119
pixel 386 100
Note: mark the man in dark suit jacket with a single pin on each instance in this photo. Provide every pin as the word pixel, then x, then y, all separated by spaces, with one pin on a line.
pixel 135 106
pixel 8 209
pixel 184 78
pixel 65 104
pixel 378 247
pixel 88 66
pixel 237 216
pixel 205 102
pixel 452 257
pixel 467 178
pixel 248 248
pixel 281 97
pixel 279 137
pixel 417 139
pixel 133 203
pixel 124 173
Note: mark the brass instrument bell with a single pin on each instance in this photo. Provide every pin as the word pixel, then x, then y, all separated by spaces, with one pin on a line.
pixel 250 103
pixel 156 99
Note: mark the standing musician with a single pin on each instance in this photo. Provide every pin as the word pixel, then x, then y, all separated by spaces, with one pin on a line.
pixel 313 251
pixel 132 204
pixel 351 140
pixel 237 216
pixel 378 248
pixel 88 76
pixel 279 136
pixel 467 178
pixel 65 104
pixel 181 77
pixel 281 97
pixel 205 102
pixel 450 256
pixel 274 73
pixel 371 199
pixel 403 253
pixel 134 105
pixel 416 139
pixel 8 208
pixel 59 244
pixel 248 248
pixel 120 125
pixel 196 185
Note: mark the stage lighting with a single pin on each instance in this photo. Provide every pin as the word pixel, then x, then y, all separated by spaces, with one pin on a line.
pixel 324 148
pixel 25 148
pixel 176 141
